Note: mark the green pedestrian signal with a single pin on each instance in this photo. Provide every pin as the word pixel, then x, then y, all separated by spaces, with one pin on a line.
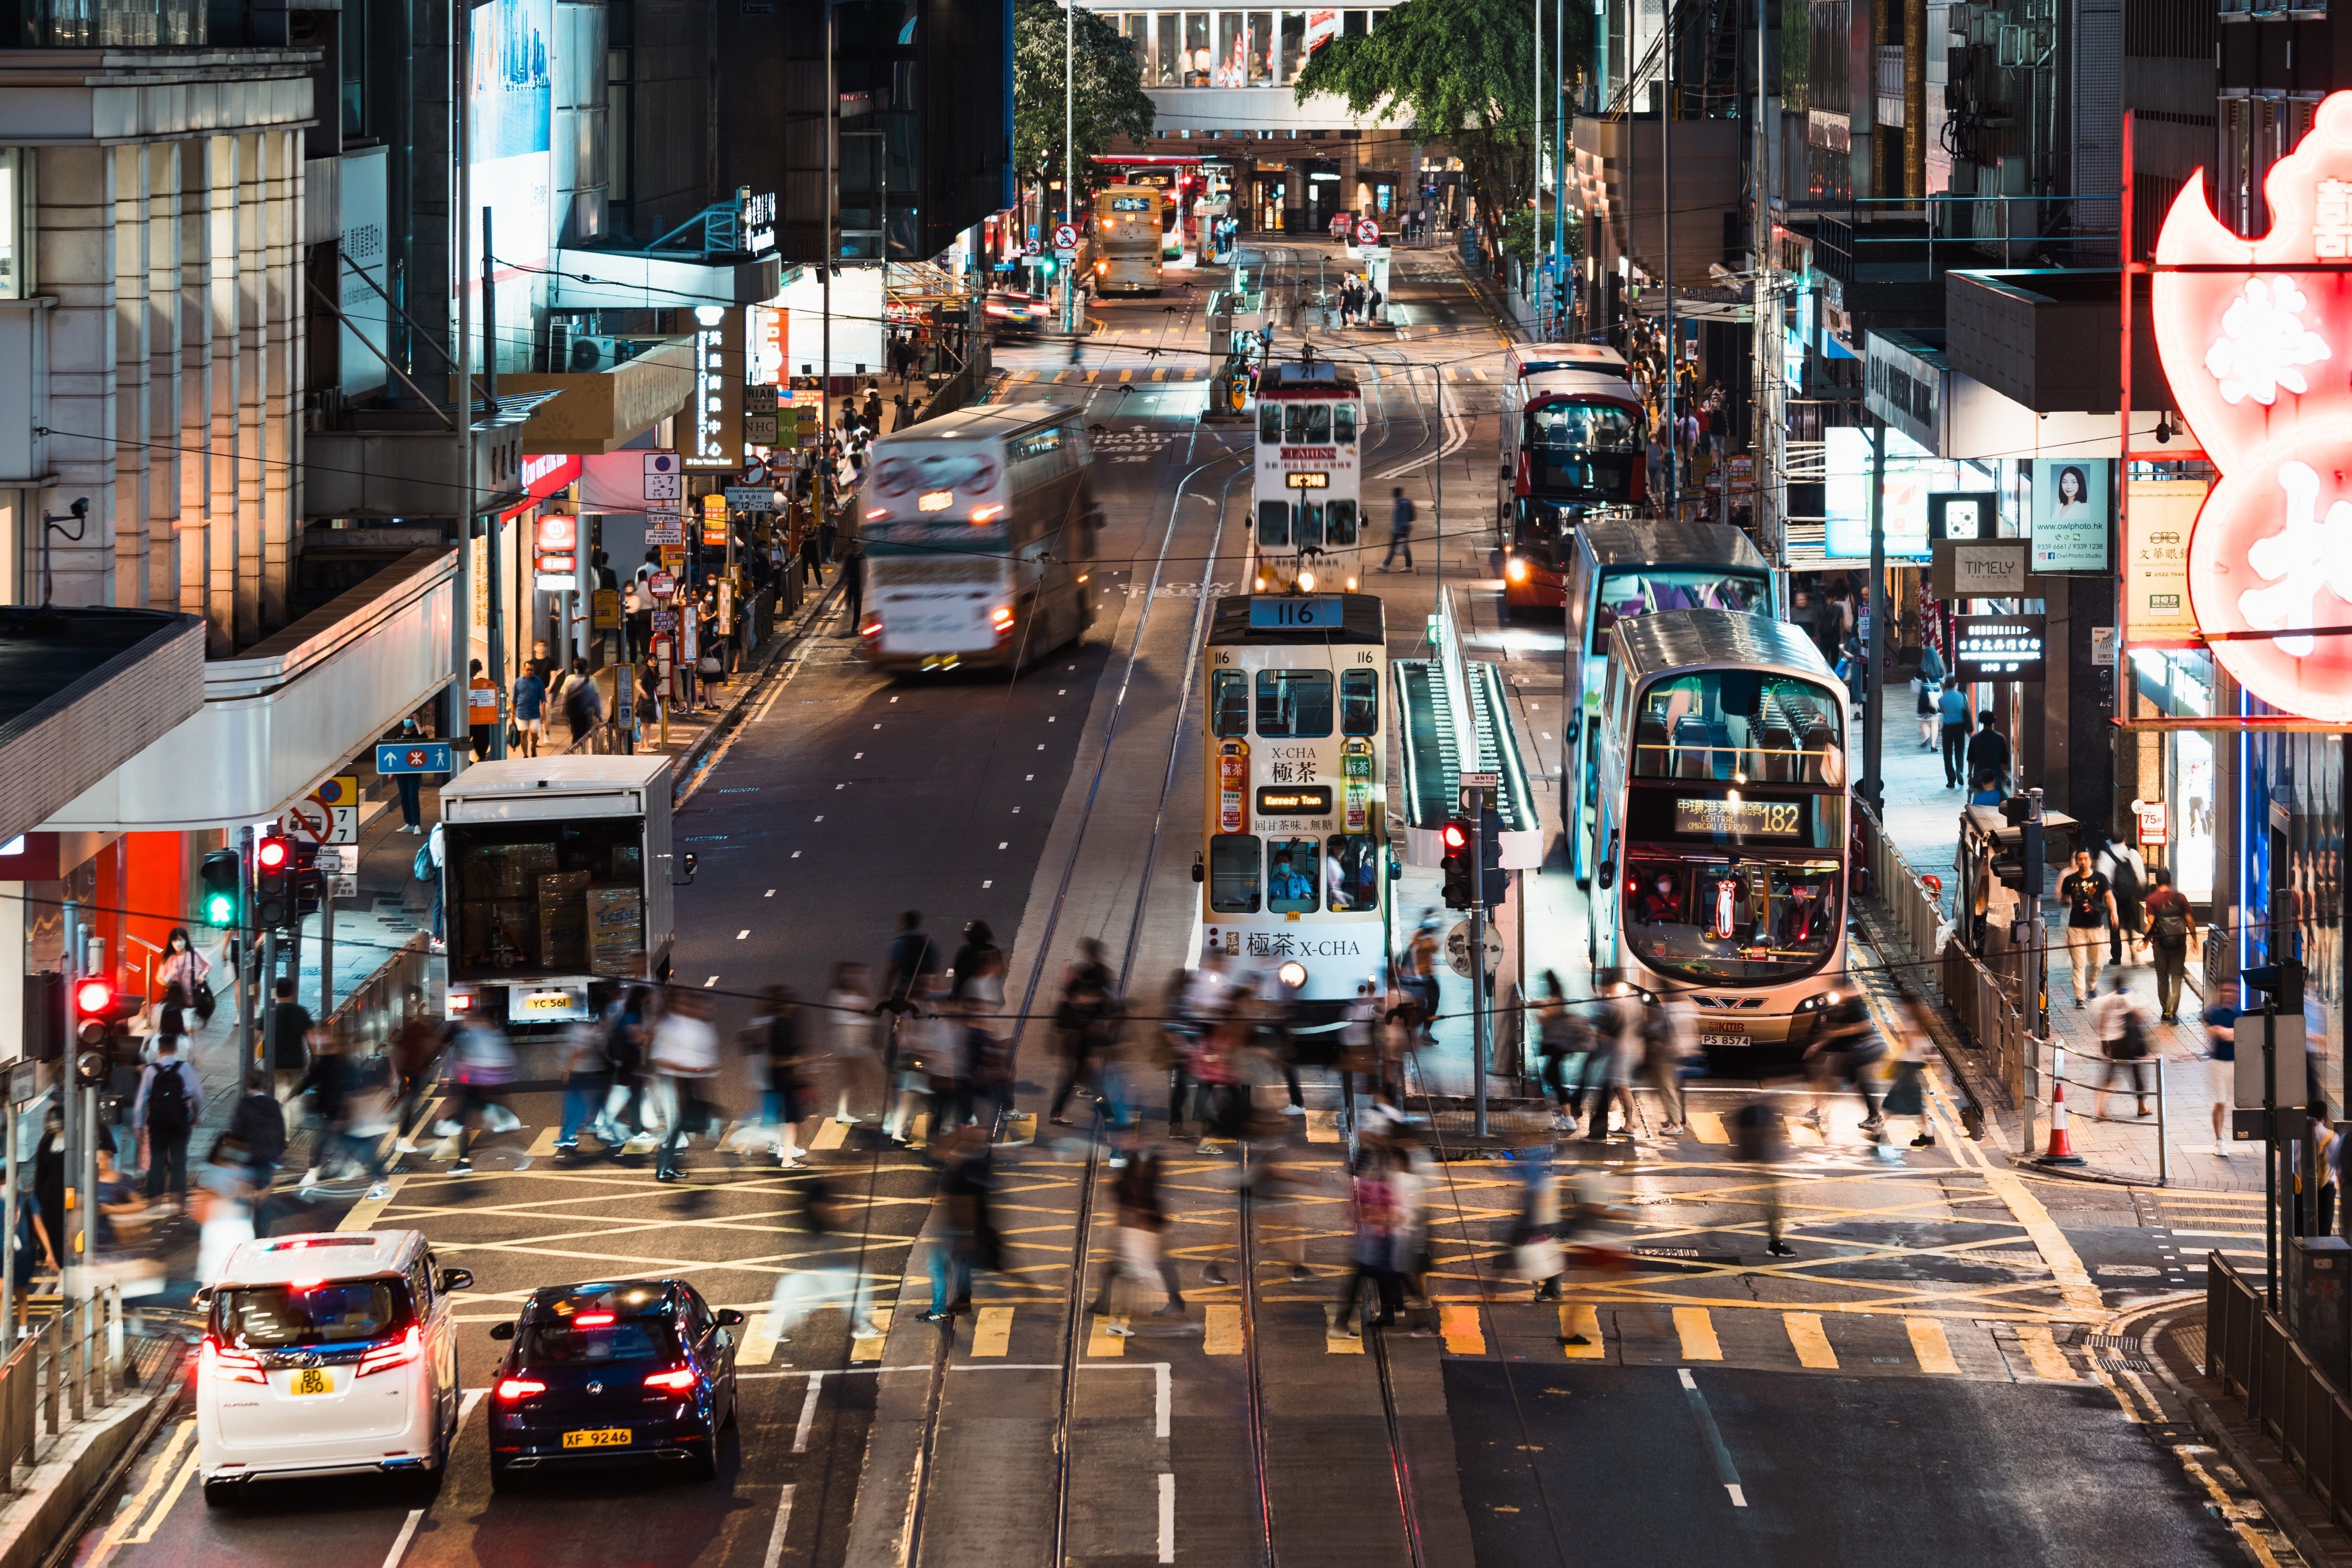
pixel 220 878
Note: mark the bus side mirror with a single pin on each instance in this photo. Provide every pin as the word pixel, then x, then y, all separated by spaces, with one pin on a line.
pixel 1607 872
pixel 692 860
pixel 1200 873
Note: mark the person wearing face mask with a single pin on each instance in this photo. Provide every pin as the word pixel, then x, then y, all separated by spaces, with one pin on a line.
pixel 1657 905
pixel 183 966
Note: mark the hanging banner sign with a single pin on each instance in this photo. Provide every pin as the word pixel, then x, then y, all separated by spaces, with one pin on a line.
pixel 2156 562
pixel 2254 339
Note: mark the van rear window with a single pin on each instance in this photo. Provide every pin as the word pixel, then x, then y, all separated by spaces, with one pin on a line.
pixel 288 1317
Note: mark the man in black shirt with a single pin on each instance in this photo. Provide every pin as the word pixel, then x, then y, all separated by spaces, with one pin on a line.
pixel 1989 751
pixel 289 1040
pixel 2090 910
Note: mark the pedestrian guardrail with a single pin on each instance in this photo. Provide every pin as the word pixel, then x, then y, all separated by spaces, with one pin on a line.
pixel 2249 1352
pixel 62 1372
pixel 1989 1015
pixel 1917 908
pixel 368 1018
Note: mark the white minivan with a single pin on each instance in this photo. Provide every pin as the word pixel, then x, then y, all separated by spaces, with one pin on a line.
pixel 328 1353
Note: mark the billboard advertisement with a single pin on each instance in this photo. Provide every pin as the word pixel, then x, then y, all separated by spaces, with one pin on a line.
pixel 513 107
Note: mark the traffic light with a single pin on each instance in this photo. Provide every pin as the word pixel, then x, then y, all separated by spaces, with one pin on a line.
pixel 221 891
pixel 93 1010
pixel 1458 864
pixel 273 882
pixel 100 1019
pixel 1490 851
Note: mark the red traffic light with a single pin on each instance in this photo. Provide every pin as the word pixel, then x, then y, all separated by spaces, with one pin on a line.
pixel 1454 837
pixel 93 997
pixel 271 853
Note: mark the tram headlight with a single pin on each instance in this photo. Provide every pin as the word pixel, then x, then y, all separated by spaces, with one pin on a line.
pixel 1516 570
pixel 1351 585
pixel 1293 974
pixel 1307 582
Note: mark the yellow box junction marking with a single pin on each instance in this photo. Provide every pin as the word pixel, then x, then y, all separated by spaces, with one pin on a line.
pixel 2042 1353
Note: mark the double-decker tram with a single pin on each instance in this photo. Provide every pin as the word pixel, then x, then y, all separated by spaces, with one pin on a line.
pixel 1574 439
pixel 1127 239
pixel 1722 825
pixel 978 528
pixel 1295 860
pixel 1307 530
pixel 1620 568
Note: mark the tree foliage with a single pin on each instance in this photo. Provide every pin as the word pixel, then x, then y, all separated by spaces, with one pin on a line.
pixel 1110 101
pixel 1462 70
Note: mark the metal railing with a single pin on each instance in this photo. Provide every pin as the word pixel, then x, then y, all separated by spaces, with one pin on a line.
pixel 2249 1352
pixel 1991 1016
pixel 368 1018
pixel 1918 909
pixel 62 1372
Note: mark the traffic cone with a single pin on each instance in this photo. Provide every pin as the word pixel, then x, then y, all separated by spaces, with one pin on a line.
pixel 2062 1147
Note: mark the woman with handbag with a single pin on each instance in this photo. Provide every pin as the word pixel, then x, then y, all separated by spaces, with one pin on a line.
pixel 183 966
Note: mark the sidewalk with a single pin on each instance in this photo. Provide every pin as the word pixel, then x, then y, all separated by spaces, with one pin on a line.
pixel 1922 818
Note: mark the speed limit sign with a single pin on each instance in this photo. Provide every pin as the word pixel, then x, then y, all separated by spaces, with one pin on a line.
pixel 1065 237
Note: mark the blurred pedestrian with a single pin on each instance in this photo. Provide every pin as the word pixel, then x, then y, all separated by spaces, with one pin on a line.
pixel 685 1058
pixel 2171 927
pixel 913 957
pixel 984 1070
pixel 782 1053
pixel 484 1062
pixel 334 1086
pixel 1535 1253
pixel 1409 1179
pixel 587 1071
pixel 1609 1071
pixel 828 1274
pixel 2221 1020
pixel 1372 1212
pixel 964 1226
pixel 1667 1033
pixel 259 1123
pixel 1138 1257
pixel 1563 1040
pixel 1078 1024
pixel 414 1050
pixel 164 1113
pixel 1760 1138
pixel 1907 1094
pixel 531 709
pixel 849 1025
pixel 1952 732
pixel 222 1208
pixel 2121 1021
pixel 290 1046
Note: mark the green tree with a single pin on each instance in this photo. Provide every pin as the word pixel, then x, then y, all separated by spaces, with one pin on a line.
pixel 1462 70
pixel 1110 101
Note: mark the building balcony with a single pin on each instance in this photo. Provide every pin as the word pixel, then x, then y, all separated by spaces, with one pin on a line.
pixel 83 690
pixel 602 410
pixel 281 716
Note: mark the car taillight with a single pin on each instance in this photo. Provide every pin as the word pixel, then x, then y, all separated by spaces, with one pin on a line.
pixel 872 628
pixel 679 1378
pixel 219 1360
pixel 400 1353
pixel 511 1388
pixel 1000 617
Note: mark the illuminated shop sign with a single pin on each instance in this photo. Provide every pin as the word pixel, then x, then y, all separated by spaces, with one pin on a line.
pixel 2256 337
pixel 712 424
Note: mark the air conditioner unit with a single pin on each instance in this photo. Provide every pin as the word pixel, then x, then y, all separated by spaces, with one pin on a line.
pixel 593 352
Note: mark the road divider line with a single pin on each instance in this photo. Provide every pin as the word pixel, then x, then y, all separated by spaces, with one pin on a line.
pixel 775 1552
pixel 1221 1332
pixel 1723 1465
pixel 1463 1333
pixel 1167 1516
pixel 1933 1349
pixel 364 1213
pixel 808 1413
pixel 1695 1326
pixel 1813 1344
pixel 407 1534
pixel 1580 1321
pixel 991 1332
pixel 167 1465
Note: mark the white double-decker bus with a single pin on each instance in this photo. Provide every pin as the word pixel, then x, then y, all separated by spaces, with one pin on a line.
pixel 1308 527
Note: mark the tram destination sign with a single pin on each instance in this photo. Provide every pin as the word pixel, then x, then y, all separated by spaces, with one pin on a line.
pixel 1712 817
pixel 1310 801
pixel 1998 647
pixel 1287 614
pixel 1307 481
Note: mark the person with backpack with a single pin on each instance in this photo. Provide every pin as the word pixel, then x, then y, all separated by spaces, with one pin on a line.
pixel 2122 1022
pixel 257 1125
pixel 2171 927
pixel 164 1113
pixel 2127 875
pixel 583 704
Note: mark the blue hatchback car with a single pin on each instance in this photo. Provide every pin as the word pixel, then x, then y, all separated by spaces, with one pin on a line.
pixel 629 1371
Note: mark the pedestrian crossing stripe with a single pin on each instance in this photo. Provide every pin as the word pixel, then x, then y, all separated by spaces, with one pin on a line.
pixel 829 1135
pixel 1813 1346
pixel 1929 1344
pixel 1337 1340
pixel 991 1331
pixel 1222 1331
pixel 869 1347
pixel 2042 1353
pixel 1101 1340
pixel 1104 377
pixel 1706 1126
pixel 1580 1321
pixel 1695 1326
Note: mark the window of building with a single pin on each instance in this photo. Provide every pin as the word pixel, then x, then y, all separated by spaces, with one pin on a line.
pixel 1262 48
pixel 1167 59
pixel 1198 56
pixel 16 251
pixel 1294 44
pixel 353 47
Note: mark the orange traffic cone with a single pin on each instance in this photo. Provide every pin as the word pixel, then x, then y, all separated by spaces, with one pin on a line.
pixel 2062 1147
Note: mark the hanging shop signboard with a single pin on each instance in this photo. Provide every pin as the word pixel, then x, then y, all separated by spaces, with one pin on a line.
pixel 2156 562
pixel 2254 336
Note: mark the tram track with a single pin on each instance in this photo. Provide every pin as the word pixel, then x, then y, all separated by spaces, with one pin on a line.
pixel 1075 1301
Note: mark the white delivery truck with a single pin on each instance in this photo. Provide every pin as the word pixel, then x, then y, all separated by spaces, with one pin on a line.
pixel 555 875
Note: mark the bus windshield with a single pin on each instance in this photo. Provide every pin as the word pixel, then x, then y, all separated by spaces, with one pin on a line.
pixel 1583 451
pixel 1730 922
pixel 1735 726
pixel 1646 590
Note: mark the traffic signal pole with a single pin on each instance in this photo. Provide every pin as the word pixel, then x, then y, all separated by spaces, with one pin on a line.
pixel 1476 799
pixel 244 929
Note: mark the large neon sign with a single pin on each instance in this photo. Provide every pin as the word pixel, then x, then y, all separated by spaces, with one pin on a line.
pixel 2256 340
